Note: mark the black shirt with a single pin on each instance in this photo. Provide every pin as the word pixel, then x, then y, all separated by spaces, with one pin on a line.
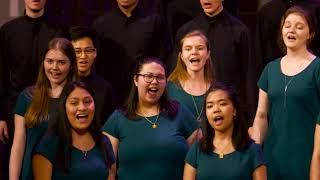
pixel 22 45
pixel 231 52
pixel 123 41
pixel 102 95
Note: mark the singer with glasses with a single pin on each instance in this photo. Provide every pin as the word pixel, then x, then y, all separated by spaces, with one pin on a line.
pixel 150 134
pixel 289 100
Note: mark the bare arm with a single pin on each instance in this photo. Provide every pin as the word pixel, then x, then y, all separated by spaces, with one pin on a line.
pixel 194 136
pixel 4 135
pixel 115 144
pixel 260 173
pixel 18 146
pixel 260 124
pixel 42 168
pixel 315 162
pixel 112 172
pixel 189 172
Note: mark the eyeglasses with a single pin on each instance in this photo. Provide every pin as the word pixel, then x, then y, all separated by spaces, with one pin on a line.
pixel 86 51
pixel 148 78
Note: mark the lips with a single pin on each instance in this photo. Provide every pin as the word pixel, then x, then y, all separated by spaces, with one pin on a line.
pixel 218 120
pixel 82 117
pixel 55 75
pixel 194 60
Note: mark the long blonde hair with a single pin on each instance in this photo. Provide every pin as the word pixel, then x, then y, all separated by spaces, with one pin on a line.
pixel 180 74
pixel 39 107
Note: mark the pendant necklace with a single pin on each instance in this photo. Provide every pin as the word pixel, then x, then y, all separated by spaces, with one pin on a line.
pixel 153 124
pixel 197 110
pixel 85 155
pixel 221 153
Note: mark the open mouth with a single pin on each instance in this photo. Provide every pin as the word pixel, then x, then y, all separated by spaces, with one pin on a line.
pixel 218 120
pixel 82 117
pixel 83 62
pixel 153 90
pixel 194 60
pixel 291 37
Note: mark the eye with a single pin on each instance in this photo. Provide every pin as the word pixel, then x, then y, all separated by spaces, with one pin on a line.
pixel 49 61
pixel 62 62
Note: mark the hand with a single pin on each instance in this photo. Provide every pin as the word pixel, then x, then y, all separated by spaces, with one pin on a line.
pixel 4 135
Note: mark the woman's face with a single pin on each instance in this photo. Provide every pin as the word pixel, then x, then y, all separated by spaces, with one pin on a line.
pixel 220 111
pixel 56 66
pixel 194 53
pixel 80 109
pixel 295 31
pixel 150 83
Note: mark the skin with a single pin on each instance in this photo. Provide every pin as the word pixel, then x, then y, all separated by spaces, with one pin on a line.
pixel 127 6
pixel 52 66
pixel 84 60
pixel 211 7
pixel 34 8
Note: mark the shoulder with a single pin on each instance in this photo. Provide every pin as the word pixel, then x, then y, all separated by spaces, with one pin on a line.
pixel 13 23
pixel 236 23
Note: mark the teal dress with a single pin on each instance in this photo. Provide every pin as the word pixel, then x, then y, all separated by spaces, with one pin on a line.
pixel 238 165
pixel 147 153
pixel 288 144
pixel 193 103
pixel 34 134
pixel 83 166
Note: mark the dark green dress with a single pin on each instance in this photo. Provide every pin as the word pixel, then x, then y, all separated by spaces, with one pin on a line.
pixel 176 92
pixel 147 153
pixel 34 134
pixel 84 165
pixel 292 115
pixel 238 165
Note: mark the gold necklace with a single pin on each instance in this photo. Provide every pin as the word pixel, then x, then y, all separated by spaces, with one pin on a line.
pixel 221 152
pixel 85 153
pixel 197 111
pixel 153 124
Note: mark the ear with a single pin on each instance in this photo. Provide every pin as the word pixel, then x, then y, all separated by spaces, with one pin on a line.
pixel 95 53
pixel 135 77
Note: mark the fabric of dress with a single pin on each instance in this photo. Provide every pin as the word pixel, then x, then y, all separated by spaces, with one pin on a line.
pixel 236 165
pixel 231 53
pixel 22 45
pixel 123 42
pixel 34 134
pixel 292 117
pixel 87 165
pixel 151 153
pixel 176 92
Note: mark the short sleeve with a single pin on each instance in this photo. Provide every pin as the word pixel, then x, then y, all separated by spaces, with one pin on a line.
pixel 47 147
pixel 263 80
pixel 112 124
pixel 318 119
pixel 257 155
pixel 23 102
pixel 189 122
pixel 192 155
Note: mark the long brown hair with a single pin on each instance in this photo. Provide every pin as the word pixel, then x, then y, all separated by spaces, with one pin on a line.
pixel 180 73
pixel 39 107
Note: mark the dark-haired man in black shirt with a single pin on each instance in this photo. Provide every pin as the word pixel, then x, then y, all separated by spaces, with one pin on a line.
pixel 82 40
pixel 126 34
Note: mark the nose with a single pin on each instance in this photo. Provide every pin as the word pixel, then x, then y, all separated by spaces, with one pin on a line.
pixel 83 54
pixel 55 65
pixel 82 107
pixel 216 108
pixel 194 51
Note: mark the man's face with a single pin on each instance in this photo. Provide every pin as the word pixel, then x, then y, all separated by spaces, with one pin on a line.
pixel 86 53
pixel 211 7
pixel 34 5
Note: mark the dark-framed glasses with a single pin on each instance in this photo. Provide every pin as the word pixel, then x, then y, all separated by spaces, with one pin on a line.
pixel 148 78
pixel 86 51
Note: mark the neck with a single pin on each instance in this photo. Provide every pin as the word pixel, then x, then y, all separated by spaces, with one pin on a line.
pixel 148 109
pixel 56 89
pixel 218 11
pixel 196 84
pixel 34 14
pixel 223 136
pixel 84 73
pixel 128 11
pixel 82 140
pixel 298 55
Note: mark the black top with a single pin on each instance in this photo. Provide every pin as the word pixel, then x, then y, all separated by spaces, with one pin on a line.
pixel 102 95
pixel 123 41
pixel 268 26
pixel 231 52
pixel 22 45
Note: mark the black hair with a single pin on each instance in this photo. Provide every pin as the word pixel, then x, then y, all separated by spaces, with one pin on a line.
pixel 130 107
pixel 79 32
pixel 240 137
pixel 62 129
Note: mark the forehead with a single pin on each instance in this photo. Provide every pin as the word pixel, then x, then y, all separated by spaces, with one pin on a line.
pixel 296 17
pixel 217 95
pixel 194 40
pixel 152 67
pixel 79 93
pixel 82 42
pixel 55 54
